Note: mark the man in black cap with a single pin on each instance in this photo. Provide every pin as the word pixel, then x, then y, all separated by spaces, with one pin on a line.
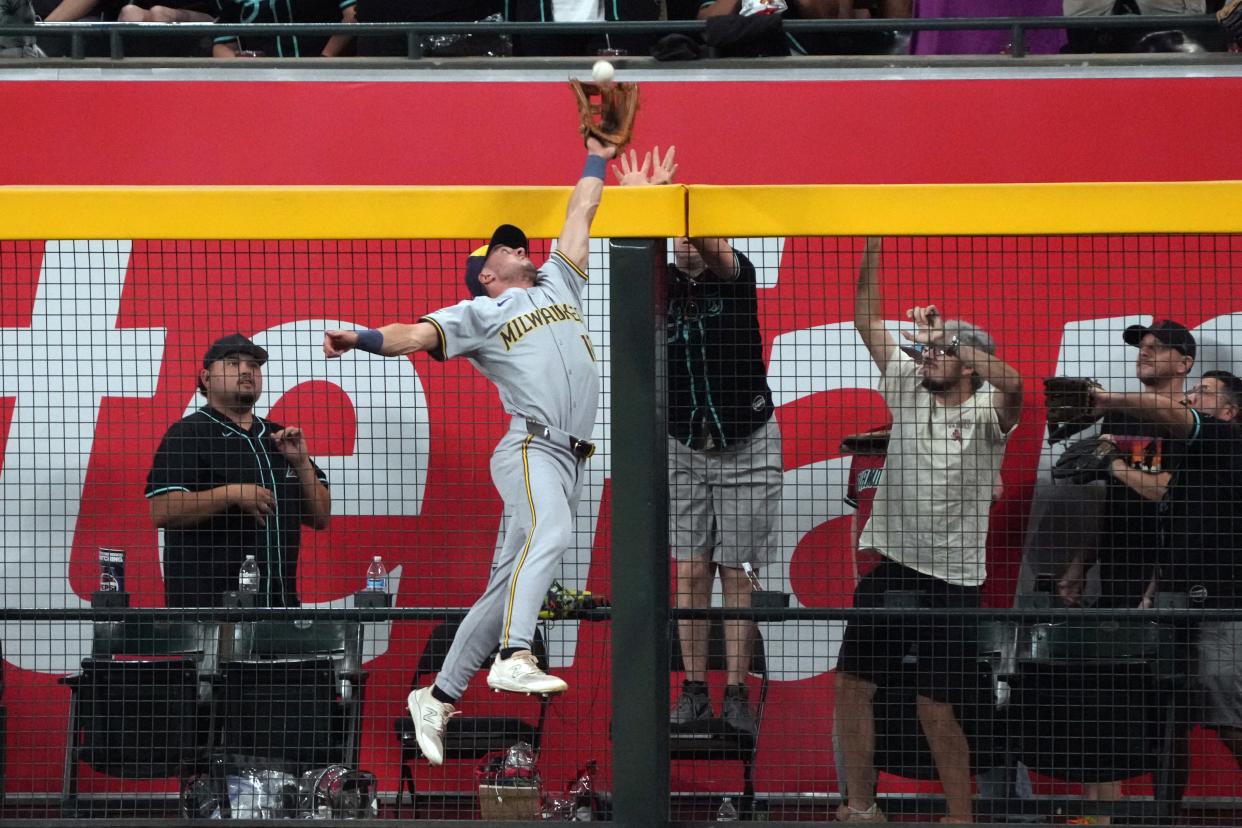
pixel 1131 530
pixel 226 483
pixel 1130 538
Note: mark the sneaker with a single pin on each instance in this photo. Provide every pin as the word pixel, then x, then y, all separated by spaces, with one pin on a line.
pixel 520 673
pixel 430 720
pixel 873 814
pixel 736 710
pixel 691 707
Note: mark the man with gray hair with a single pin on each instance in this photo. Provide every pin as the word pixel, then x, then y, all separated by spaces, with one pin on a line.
pixel 954 404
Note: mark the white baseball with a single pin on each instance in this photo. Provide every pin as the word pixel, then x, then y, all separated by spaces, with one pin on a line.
pixel 602 71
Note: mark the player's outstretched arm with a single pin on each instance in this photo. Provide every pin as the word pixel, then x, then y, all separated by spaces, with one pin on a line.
pixel 575 239
pixel 867 317
pixel 391 340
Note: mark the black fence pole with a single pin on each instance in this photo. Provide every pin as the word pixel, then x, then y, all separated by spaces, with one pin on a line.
pixel 639 536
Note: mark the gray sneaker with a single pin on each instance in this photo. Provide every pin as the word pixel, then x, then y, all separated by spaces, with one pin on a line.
pixel 736 711
pixel 691 707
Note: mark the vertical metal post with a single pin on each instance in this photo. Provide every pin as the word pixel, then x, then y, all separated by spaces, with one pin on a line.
pixel 1018 40
pixel 640 574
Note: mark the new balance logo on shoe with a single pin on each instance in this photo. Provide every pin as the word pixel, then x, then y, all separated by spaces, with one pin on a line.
pixel 430 717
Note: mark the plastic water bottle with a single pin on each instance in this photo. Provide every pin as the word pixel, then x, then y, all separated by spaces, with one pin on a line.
pixel 727 812
pixel 377 575
pixel 248 576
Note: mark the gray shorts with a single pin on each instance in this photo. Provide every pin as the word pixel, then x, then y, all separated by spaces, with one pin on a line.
pixel 1220 673
pixel 723 502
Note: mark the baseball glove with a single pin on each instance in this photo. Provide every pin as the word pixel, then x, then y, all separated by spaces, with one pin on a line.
pixel 1086 461
pixel 606 110
pixel 1230 16
pixel 866 442
pixel 1070 407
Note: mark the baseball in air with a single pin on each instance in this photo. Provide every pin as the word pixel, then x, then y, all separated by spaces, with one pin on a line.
pixel 602 71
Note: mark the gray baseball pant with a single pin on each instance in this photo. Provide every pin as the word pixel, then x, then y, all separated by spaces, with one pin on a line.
pixel 540 484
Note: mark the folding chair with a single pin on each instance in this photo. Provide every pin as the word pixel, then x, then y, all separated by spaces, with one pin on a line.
pixel 466 737
pixel 140 707
pixel 290 695
pixel 715 739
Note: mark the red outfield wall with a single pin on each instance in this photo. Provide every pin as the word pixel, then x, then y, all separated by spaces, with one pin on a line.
pixel 507 133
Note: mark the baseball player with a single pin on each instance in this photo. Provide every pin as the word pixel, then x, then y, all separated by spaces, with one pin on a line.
pixel 524 330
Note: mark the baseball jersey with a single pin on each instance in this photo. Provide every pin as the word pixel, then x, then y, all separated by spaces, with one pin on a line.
pixel 1205 515
pixel 1131 541
pixel 280 11
pixel 717 380
pixel 206 450
pixel 533 344
pixel 931 508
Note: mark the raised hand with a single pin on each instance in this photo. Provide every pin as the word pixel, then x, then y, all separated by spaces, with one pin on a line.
pixel 929 328
pixel 665 168
pixel 629 172
pixel 292 446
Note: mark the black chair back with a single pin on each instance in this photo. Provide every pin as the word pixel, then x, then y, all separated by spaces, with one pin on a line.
pixel 283 711
pixel 1086 722
pixel 138 719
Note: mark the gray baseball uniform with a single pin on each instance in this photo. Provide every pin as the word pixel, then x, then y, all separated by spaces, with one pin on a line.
pixel 534 346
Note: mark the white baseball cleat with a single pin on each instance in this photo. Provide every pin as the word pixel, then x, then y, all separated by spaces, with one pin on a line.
pixel 430 720
pixel 520 673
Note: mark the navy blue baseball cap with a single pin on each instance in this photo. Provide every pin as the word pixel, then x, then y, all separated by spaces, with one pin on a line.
pixel 1167 332
pixel 505 235
pixel 234 343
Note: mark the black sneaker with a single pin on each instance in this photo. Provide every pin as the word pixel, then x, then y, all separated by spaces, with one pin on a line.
pixel 692 706
pixel 736 711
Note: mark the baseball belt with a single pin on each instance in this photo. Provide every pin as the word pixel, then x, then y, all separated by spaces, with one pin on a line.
pixel 582 449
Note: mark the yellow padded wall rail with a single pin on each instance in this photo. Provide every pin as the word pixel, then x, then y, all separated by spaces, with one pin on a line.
pixel 966 209
pixel 324 212
pixel 700 210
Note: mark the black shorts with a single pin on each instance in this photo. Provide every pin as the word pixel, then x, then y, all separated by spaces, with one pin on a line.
pixel 938 654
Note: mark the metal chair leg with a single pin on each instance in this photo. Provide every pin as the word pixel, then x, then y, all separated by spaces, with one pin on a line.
pixel 407 784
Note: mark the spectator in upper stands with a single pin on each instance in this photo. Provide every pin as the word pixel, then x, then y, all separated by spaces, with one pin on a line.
pixel 866 43
pixel 1085 8
pixel 425 11
pixel 582 11
pixel 752 28
pixel 128 11
pixel 172 11
pixel 1147 39
pixel 283 11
